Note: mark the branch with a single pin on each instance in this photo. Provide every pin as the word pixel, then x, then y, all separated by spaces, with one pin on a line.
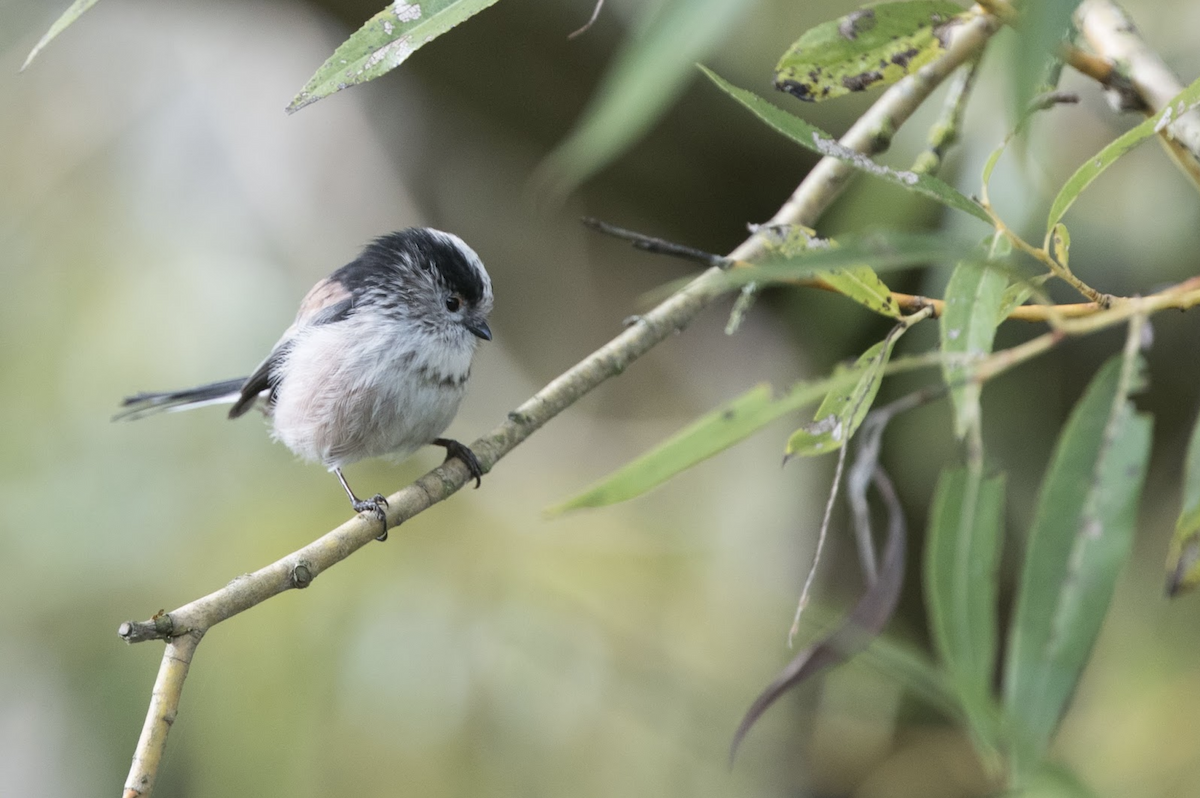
pixel 185 626
pixel 164 704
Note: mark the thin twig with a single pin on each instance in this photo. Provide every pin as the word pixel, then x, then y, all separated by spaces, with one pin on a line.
pixel 658 246
pixel 821 536
pixel 591 21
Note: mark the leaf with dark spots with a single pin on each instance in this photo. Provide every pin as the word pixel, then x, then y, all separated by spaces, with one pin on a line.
pixel 863 624
pixel 870 47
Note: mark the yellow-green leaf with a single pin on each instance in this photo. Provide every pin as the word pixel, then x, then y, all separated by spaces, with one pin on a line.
pixel 859 283
pixel 844 408
pixel 874 46
pixel 700 440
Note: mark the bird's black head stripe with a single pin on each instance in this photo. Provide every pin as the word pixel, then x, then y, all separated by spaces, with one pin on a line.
pixel 422 248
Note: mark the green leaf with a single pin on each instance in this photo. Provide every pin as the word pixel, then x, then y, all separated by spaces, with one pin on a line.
pixel 1044 25
pixel 883 251
pixel 1019 292
pixel 702 439
pixel 384 43
pixel 1183 559
pixel 1081 536
pixel 863 285
pixel 974 297
pixel 844 408
pixel 1094 167
pixel 640 84
pixel 74 12
pixel 962 553
pixel 818 141
pixel 859 283
pixel 874 46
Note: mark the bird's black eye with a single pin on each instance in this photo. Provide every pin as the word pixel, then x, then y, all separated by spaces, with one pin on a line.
pixel 453 303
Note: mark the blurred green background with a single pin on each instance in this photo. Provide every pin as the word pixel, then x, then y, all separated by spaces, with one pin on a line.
pixel 160 217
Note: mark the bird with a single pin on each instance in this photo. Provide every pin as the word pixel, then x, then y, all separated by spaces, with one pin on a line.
pixel 374 365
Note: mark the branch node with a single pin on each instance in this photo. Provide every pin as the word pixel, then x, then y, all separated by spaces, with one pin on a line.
pixel 303 574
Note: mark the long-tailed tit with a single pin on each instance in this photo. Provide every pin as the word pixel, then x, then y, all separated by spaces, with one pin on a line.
pixel 374 365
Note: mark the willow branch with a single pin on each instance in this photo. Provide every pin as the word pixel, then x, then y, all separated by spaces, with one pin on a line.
pixel 184 626
pixel 164 704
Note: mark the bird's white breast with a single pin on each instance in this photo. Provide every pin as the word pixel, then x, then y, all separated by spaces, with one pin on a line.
pixel 360 389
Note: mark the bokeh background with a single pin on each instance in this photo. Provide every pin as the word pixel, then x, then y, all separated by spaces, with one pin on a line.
pixel 160 217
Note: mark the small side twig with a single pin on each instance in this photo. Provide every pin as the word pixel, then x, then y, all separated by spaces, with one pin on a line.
pixel 821 536
pixel 658 246
pixel 591 21
pixel 944 132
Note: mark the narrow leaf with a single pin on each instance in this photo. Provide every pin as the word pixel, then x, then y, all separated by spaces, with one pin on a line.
pixel 962 553
pixel 1044 25
pixel 818 141
pixel 1183 560
pixel 74 12
pixel 859 283
pixel 384 43
pixel 864 623
pixel 640 84
pixel 863 285
pixel 1095 166
pixel 874 46
pixel 702 439
pixel 1081 536
pixel 974 297
pixel 844 408
pixel 883 252
pixel 1018 294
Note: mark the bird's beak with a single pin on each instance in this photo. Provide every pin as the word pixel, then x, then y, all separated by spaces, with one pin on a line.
pixel 478 327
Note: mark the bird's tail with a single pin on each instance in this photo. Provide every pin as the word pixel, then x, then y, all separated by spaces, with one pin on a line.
pixel 147 404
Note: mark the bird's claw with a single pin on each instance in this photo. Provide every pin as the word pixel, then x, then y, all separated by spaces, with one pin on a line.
pixel 376 506
pixel 462 452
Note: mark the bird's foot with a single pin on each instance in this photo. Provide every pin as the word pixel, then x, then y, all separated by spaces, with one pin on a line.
pixel 462 452
pixel 376 506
